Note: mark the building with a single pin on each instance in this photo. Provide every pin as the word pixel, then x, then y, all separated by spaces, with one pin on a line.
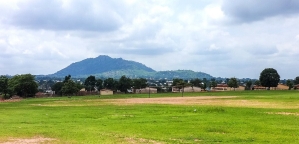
pixel 225 87
pixel 186 89
pixel 106 92
pixel 146 90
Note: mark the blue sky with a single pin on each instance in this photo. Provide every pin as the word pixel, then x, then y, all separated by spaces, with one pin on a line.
pixel 225 38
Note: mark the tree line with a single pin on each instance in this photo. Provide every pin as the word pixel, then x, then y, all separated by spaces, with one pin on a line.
pixel 26 86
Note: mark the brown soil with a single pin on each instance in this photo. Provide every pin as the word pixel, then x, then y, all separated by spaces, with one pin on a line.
pixel 283 113
pixel 10 100
pixel 230 101
pixel 170 100
pixel 34 140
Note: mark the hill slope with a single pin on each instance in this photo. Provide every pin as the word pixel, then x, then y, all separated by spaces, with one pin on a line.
pixel 105 66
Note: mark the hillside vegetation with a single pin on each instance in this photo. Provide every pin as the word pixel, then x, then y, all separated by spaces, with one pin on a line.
pixel 105 66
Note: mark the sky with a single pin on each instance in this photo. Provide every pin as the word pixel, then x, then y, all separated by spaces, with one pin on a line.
pixel 224 38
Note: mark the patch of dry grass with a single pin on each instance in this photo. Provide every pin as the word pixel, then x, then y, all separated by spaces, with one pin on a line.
pixel 227 101
pixel 34 140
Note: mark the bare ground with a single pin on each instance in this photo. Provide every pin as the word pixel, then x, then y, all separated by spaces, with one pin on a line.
pixel 34 140
pixel 230 101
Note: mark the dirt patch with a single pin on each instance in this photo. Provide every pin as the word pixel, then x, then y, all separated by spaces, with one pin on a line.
pixel 230 101
pixel 34 140
pixel 10 100
pixel 283 113
pixel 168 100
pixel 141 140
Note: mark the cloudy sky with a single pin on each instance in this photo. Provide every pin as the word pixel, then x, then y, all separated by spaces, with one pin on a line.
pixel 225 38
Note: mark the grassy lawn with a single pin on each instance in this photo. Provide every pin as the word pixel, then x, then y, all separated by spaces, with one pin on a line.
pixel 249 117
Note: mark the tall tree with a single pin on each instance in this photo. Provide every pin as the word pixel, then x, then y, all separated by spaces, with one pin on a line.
pixel 257 83
pixel 69 88
pixel 176 81
pixel 296 80
pixel 99 84
pixel 90 83
pixel 290 84
pixel 57 88
pixel 213 83
pixel 196 82
pixel 110 83
pixel 66 78
pixel 139 83
pixel 23 85
pixel 233 83
pixel 124 84
pixel 248 85
pixel 269 77
pixel 4 86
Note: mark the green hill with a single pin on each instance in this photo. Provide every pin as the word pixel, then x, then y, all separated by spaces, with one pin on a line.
pixel 105 66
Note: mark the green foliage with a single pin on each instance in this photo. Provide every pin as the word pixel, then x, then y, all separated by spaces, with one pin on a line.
pixel 296 80
pixel 184 74
pixel 110 83
pixel 57 88
pixel 23 85
pixel 124 84
pixel 99 84
pixel 248 85
pixel 101 64
pixel 67 78
pixel 233 83
pixel 4 86
pixel 257 83
pixel 196 82
pixel 90 83
pixel 176 81
pixel 269 77
pixel 139 83
pixel 290 84
pixel 213 83
pixel 69 88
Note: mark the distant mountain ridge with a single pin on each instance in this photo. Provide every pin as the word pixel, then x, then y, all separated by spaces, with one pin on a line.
pixel 105 66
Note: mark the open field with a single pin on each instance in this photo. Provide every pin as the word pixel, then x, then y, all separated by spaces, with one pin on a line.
pixel 207 117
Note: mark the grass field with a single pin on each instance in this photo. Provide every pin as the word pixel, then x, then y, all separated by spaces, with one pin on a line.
pixel 207 117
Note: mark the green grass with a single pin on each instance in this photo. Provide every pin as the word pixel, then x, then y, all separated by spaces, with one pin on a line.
pixel 91 119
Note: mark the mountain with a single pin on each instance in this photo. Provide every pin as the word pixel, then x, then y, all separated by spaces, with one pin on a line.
pixel 105 66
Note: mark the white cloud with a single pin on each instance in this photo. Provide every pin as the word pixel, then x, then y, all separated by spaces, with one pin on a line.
pixel 222 38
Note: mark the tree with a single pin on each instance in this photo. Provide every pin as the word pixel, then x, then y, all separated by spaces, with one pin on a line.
pixel 57 88
pixel 296 80
pixel 181 85
pixel 290 84
pixel 257 83
pixel 66 78
pixel 23 85
pixel 248 85
pixel 124 84
pixel 269 77
pixel 69 88
pixel 110 83
pixel 176 81
pixel 213 83
pixel 99 84
pixel 196 82
pixel 139 83
pixel 233 83
pixel 90 83
pixel 4 86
